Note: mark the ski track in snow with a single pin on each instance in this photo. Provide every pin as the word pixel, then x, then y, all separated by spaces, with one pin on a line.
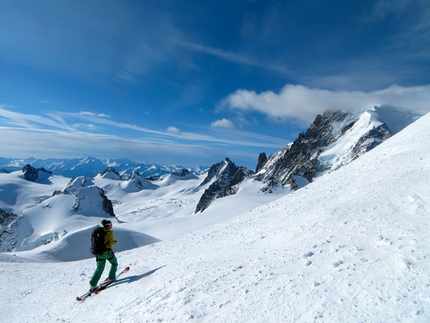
pixel 351 247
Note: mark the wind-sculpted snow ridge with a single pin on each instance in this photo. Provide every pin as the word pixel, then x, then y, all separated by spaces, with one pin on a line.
pixel 350 247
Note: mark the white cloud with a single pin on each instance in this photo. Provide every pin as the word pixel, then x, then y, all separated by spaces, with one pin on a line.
pixel 174 130
pixel 224 123
pixel 302 103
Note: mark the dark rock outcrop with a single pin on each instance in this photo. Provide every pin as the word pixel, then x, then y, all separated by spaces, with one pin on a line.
pixel 32 174
pixel 8 223
pixel 107 204
pixel 262 159
pixel 224 176
pixel 370 140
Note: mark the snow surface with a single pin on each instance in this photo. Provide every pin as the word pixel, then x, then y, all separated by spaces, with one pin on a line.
pixel 353 246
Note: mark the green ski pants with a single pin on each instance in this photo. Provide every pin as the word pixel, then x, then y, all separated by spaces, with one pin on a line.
pixel 101 263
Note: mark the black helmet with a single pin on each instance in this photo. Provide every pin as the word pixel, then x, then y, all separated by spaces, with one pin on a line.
pixel 105 223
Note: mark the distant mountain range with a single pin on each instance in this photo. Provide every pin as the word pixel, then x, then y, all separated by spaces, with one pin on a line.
pixel 90 166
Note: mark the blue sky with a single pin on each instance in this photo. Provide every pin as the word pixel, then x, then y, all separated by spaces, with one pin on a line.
pixel 191 82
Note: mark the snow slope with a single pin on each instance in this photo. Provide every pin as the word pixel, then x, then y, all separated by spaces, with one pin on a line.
pixel 350 247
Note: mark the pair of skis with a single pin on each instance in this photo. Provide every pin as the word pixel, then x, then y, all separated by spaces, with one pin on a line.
pixel 101 286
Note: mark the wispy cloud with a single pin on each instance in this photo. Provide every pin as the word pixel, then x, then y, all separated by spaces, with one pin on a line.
pixel 29 121
pixel 224 123
pixel 92 114
pixel 236 58
pixel 41 143
pixel 222 54
pixel 174 133
pixel 51 135
pixel 302 103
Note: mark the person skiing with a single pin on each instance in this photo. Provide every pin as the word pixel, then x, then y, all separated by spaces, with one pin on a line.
pixel 109 243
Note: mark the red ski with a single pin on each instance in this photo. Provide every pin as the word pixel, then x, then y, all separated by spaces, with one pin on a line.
pixel 101 286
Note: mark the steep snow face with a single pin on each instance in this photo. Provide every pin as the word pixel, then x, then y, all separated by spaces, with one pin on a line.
pixel 350 247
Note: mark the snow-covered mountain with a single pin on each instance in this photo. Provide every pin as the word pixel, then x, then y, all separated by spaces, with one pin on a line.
pixel 352 246
pixel 334 139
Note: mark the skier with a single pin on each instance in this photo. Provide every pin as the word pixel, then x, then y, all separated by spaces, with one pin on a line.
pixel 109 243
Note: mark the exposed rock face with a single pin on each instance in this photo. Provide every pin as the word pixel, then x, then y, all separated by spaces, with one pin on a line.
pixel 8 223
pixel 301 158
pixel 262 159
pixel 32 174
pixel 308 156
pixel 106 204
pixel 370 140
pixel 224 176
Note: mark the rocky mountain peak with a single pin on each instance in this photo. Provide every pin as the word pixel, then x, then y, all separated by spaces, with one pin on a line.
pixel 223 176
pixel 262 159
pixel 111 173
pixel 32 174
pixel 334 139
